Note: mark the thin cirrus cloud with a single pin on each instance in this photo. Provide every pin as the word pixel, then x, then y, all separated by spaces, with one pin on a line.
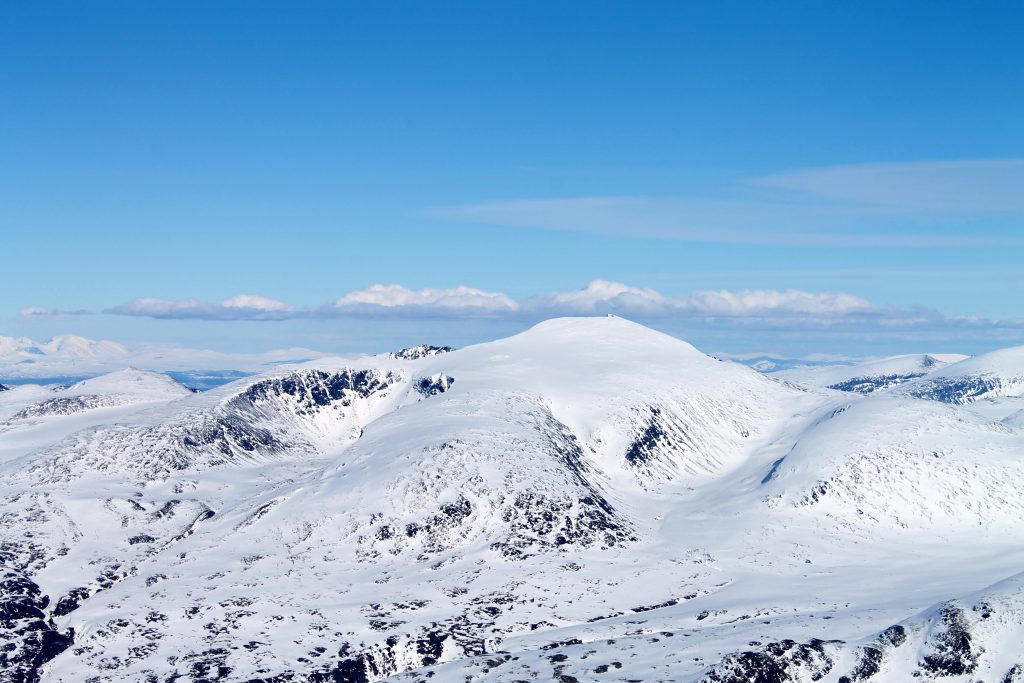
pixel 984 186
pixel 886 204
pixel 771 307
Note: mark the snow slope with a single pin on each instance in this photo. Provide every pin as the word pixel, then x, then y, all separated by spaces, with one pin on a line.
pixel 588 500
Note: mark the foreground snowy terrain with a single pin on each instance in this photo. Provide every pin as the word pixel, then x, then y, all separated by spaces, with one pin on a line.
pixel 587 501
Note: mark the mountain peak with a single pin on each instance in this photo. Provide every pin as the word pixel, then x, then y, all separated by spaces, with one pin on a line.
pixel 602 330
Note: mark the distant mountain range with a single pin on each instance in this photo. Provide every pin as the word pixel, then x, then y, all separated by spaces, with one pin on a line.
pixel 590 500
pixel 70 358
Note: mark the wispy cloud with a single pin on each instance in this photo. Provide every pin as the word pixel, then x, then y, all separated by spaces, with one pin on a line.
pixel 976 186
pixel 38 313
pixel 893 204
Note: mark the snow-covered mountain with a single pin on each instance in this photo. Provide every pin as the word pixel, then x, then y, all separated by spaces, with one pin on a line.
pixel 999 373
pixel 65 356
pixel 20 356
pixel 70 345
pixel 870 376
pixel 588 500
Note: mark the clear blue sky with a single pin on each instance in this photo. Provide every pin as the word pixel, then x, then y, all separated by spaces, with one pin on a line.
pixel 302 151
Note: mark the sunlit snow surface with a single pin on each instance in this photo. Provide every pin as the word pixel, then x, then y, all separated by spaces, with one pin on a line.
pixel 589 500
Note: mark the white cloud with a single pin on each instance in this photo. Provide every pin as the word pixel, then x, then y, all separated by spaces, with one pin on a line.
pixel 602 296
pixel 374 301
pixel 240 307
pixel 598 297
pixel 395 299
pixel 764 302
pixel 255 303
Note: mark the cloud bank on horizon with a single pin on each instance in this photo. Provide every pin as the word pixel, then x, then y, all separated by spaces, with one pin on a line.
pixel 599 297
pixel 769 308
pixel 713 316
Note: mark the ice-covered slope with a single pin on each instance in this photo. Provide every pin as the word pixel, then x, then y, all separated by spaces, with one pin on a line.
pixel 589 500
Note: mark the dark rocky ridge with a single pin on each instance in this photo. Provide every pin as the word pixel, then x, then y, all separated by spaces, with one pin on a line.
pixel 950 650
pixel 535 519
pixel 432 386
pixel 419 351
pixel 63 405
pixel 310 390
pixel 783 662
pixel 246 427
pixel 867 385
pixel 956 390
pixel 870 657
pixel 29 636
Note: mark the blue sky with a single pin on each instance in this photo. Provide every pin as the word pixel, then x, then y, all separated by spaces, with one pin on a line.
pixel 183 154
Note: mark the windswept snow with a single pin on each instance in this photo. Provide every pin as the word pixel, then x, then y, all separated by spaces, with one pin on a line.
pixel 588 500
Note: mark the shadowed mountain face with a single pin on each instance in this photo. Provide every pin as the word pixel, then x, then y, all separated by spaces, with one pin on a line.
pixel 589 500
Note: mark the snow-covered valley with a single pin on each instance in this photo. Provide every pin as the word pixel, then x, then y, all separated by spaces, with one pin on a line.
pixel 590 500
